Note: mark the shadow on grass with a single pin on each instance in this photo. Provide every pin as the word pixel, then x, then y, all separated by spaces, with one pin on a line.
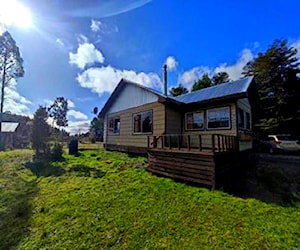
pixel 82 170
pixel 44 168
pixel 270 179
pixel 16 210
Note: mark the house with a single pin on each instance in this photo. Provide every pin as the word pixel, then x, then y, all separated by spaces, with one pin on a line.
pixel 195 137
pixel 135 114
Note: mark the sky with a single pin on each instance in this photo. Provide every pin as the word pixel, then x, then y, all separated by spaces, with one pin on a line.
pixel 81 49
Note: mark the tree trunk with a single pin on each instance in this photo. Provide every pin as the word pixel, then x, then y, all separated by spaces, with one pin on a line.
pixel 2 101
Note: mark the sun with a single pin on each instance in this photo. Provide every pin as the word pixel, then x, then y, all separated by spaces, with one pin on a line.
pixel 14 13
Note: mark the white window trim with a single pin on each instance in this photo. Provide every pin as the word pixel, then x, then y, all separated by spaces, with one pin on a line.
pixel 194 129
pixel 245 120
pixel 108 121
pixel 142 133
pixel 219 128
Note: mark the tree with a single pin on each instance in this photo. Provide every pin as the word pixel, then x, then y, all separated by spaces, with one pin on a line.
pixel 202 83
pixel 180 90
pixel 220 77
pixel 40 132
pixel 96 128
pixel 278 85
pixel 58 111
pixel 11 67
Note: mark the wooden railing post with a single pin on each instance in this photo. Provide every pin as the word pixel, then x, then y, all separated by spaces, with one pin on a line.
pixel 213 142
pixel 162 141
pixel 189 142
pixel 223 144
pixel 178 142
pixel 148 141
pixel 170 142
pixel 154 142
pixel 219 144
pixel 237 143
pixel 200 142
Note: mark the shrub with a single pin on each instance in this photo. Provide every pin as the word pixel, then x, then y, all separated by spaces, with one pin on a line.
pixel 57 152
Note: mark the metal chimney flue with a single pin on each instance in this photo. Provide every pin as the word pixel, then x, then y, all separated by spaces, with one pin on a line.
pixel 165 80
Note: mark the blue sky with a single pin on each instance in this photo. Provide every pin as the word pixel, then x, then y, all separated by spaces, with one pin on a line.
pixel 80 49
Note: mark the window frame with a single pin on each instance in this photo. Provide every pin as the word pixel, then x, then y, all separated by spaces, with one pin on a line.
pixel 246 120
pixel 108 125
pixel 194 129
pixel 241 119
pixel 133 124
pixel 219 128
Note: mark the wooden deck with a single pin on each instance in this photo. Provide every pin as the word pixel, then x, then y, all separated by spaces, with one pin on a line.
pixel 202 164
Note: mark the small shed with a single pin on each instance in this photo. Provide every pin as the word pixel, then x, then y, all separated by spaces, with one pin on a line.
pixel 7 131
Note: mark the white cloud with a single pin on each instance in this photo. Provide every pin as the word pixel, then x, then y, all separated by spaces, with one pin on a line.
pixel 87 54
pixel 14 102
pixel 235 70
pixel 60 42
pixel 48 103
pixel 171 63
pixel 296 45
pixel 78 127
pixel 188 78
pixel 82 39
pixel 105 79
pixel 77 115
pixel 74 127
pixel 71 104
pixel 100 27
pixel 96 25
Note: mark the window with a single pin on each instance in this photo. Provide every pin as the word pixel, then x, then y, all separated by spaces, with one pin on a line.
pixel 142 122
pixel 194 120
pixel 218 118
pixel 244 119
pixel 248 121
pixel 241 118
pixel 114 125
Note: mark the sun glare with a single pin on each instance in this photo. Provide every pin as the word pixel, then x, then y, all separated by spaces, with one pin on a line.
pixel 15 13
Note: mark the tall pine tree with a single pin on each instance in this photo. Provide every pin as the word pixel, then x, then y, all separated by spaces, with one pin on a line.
pixel 278 85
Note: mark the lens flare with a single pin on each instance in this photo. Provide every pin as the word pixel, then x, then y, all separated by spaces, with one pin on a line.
pixel 14 13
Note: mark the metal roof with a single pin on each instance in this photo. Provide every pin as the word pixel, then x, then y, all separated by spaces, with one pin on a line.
pixel 9 126
pixel 119 88
pixel 223 90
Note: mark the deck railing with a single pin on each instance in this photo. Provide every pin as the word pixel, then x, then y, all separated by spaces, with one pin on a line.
pixel 213 142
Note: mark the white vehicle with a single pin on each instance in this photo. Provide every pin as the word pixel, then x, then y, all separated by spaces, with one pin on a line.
pixel 285 143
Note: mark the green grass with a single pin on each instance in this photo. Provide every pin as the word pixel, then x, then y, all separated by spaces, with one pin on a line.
pixel 102 200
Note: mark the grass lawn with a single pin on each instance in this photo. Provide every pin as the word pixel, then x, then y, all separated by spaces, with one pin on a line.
pixel 102 200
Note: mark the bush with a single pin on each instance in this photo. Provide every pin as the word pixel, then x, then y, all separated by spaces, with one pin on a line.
pixel 57 152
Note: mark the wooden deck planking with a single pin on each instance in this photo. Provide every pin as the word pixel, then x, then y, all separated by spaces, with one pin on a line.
pixel 197 167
